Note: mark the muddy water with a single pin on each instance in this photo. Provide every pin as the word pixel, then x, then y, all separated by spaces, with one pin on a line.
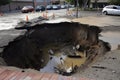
pixel 74 61
pixel 113 37
pixel 60 59
pixel 69 63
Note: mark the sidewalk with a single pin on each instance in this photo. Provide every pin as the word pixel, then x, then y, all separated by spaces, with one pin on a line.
pixel 8 74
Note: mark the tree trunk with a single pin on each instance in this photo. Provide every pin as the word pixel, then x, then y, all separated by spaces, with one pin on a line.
pixel 96 3
pixel 0 9
pixel 9 7
pixel 89 2
pixel 85 3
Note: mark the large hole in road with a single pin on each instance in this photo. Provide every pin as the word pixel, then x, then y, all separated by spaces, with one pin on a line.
pixel 59 47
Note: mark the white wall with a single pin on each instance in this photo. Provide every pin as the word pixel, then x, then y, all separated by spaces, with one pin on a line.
pixel 22 0
pixel 43 0
pixel 100 0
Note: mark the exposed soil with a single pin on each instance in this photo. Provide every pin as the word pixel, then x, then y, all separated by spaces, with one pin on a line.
pixel 31 50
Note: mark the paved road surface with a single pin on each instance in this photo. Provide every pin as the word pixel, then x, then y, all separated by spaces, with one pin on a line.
pixel 8 21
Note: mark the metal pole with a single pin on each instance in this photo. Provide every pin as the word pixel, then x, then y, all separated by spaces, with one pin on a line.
pixel 45 4
pixel 77 9
pixel 34 4
pixel 9 7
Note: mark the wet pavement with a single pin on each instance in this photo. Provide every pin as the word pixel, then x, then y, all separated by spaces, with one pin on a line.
pixel 10 20
pixel 112 37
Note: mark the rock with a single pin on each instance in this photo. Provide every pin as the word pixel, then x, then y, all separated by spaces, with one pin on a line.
pixel 77 46
pixel 51 52
pixel 99 67
pixel 113 71
pixel 73 48
pixel 118 47
pixel 2 62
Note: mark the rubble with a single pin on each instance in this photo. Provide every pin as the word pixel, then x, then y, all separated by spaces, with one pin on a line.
pixel 99 67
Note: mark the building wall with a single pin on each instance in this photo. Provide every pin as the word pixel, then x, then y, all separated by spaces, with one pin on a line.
pixel 43 2
pixel 15 5
pixel 103 1
pixel 18 4
pixel 23 0
pixel 100 3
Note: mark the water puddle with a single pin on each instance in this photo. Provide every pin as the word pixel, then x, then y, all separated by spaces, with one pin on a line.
pixel 60 60
pixel 111 37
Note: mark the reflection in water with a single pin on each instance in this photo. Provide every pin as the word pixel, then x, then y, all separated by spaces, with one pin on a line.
pixel 112 37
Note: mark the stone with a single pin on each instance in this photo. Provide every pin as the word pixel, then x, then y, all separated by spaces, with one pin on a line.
pixel 118 47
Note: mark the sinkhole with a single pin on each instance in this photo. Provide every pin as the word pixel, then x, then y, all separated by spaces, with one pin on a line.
pixel 55 47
